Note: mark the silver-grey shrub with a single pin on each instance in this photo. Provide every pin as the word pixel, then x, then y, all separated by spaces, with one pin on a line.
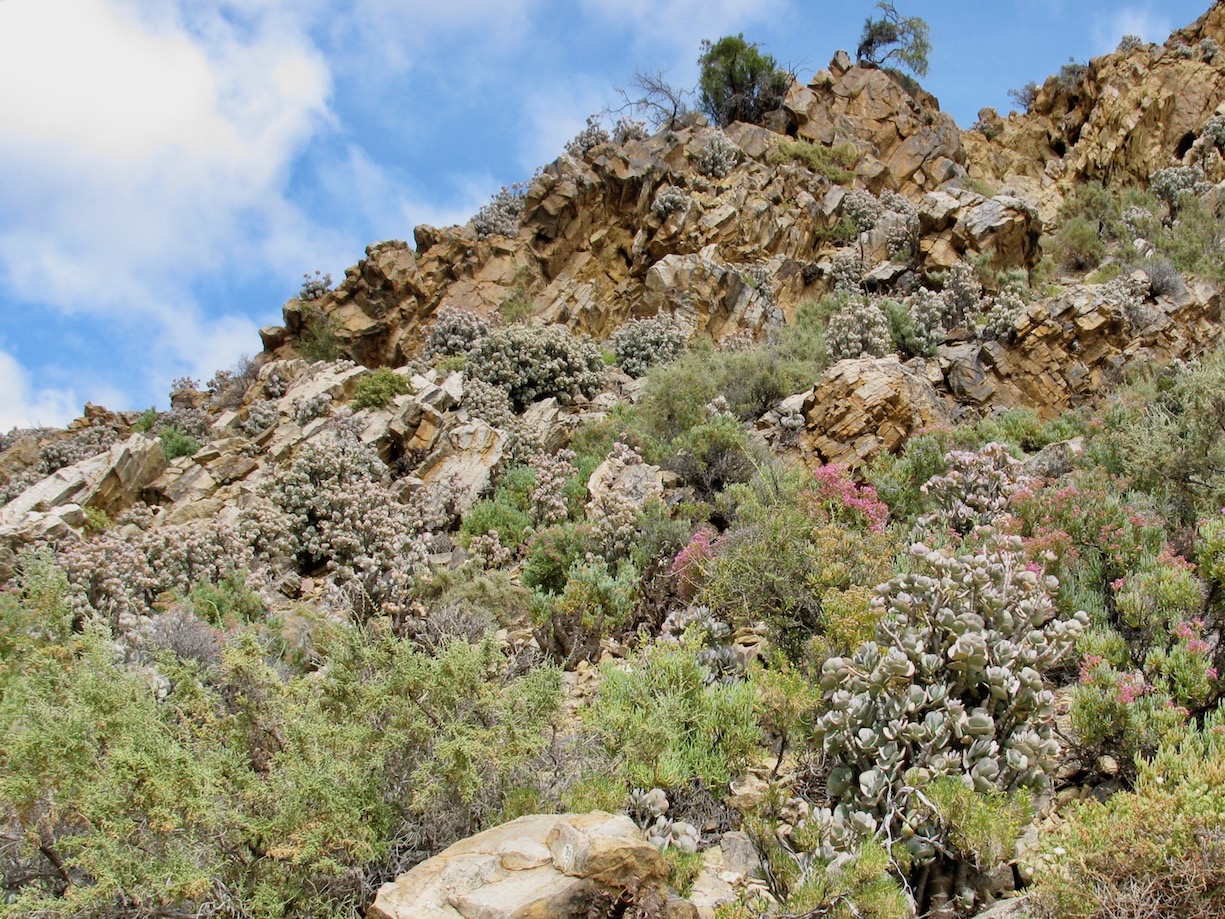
pixel 717 156
pixel 903 236
pixel 627 129
pixel 313 288
pixel 974 490
pixel 454 332
pixel 1001 317
pixel 532 362
pixel 847 270
pixel 864 209
pixel 1214 130
pixel 641 343
pixel 330 508
pixel 82 444
pixel 963 296
pixel 952 686
pixel 668 199
pixel 1174 184
pixel 591 136
pixel 261 415
pixel 114 575
pixel 857 327
pixel 927 311
pixel 501 216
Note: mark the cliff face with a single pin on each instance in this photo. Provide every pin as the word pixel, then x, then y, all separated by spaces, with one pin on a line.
pixel 1122 117
pixel 595 247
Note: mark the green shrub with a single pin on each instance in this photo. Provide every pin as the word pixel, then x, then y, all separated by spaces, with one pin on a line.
pixel 1167 431
pixel 837 162
pixel 377 390
pixel 788 557
pixel 1097 204
pixel 226 602
pixel 487 515
pixel 668 728
pixel 594 604
pixel 1195 242
pixel 863 885
pixel 552 554
pixel 899 478
pixel 737 82
pixel 176 443
pixel 1079 244
pixel 318 341
pixel 245 792
pixel 146 421
pixel 711 455
pixel 893 37
pixel 1157 850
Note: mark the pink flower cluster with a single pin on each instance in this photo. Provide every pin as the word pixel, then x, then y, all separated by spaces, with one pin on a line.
pixel 687 566
pixel 835 490
pixel 1131 687
pixel 1090 663
pixel 1190 633
pixel 1169 557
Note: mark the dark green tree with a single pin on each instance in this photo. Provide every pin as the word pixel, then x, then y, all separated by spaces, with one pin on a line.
pixel 892 37
pixel 738 82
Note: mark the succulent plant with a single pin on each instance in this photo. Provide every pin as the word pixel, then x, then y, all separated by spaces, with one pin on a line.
pixel 951 687
pixel 667 834
pixel 646 806
pixel 975 489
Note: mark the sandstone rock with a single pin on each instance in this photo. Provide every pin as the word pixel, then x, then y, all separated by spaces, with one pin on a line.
pixel 537 867
pixel 109 481
pixel 860 408
pixel 1015 908
pixel 1055 460
pixel 1004 226
pixel 1133 113
pixel 724 866
pixel 906 138
pixel 467 456
pixel 720 297
pixel 376 312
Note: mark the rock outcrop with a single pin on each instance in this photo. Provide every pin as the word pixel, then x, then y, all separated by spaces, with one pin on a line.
pixel 906 141
pixel 538 867
pixel 1117 119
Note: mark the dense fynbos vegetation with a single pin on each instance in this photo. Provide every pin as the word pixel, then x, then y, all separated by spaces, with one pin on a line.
pixel 496 578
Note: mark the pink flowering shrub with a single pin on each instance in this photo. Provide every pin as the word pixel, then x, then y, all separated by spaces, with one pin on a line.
pixel 688 564
pixel 1122 710
pixel 1088 512
pixel 837 499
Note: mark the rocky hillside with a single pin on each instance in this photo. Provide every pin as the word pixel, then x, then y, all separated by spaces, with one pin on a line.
pixel 812 518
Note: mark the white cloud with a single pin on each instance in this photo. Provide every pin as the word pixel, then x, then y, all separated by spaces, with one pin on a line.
pixel 147 146
pixel 24 404
pixel 403 34
pixel 1131 20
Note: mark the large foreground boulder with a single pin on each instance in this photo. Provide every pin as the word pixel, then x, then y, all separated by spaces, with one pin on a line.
pixel 536 867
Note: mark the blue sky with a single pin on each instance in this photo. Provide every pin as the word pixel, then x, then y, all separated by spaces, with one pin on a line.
pixel 170 168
